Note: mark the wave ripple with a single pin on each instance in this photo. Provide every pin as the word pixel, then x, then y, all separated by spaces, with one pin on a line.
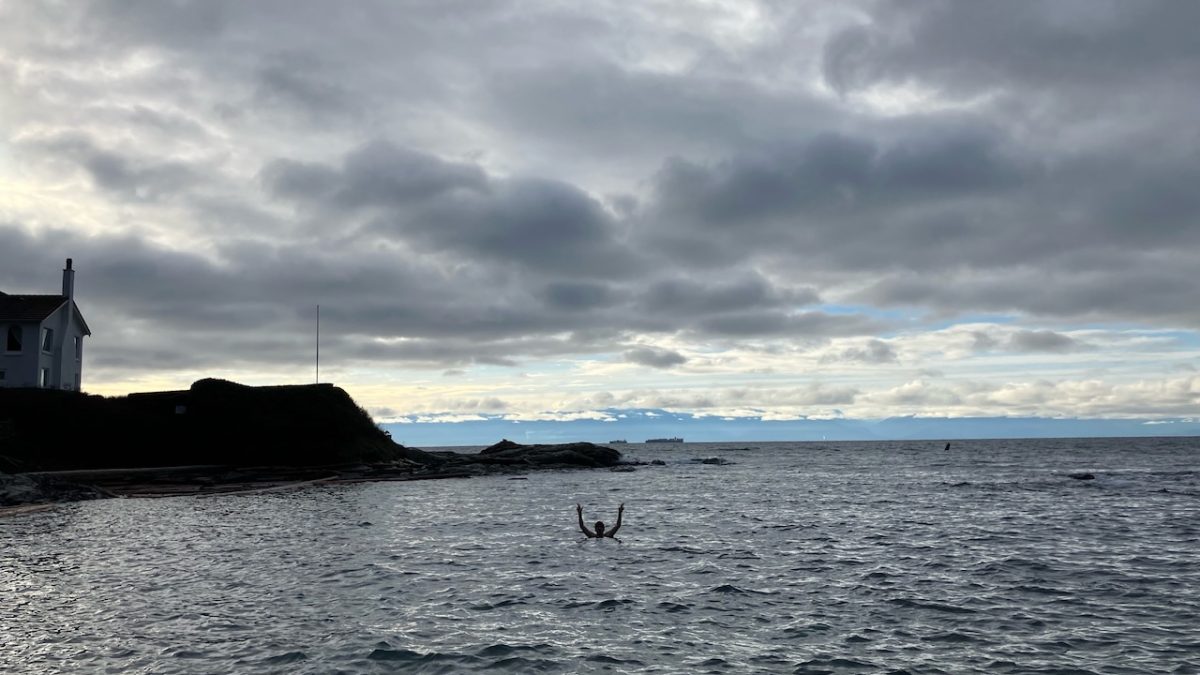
pixel 800 558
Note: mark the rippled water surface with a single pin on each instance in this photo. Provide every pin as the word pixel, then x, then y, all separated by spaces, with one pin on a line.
pixel 797 558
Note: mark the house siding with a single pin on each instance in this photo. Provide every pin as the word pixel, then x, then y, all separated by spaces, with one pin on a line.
pixel 61 363
pixel 23 369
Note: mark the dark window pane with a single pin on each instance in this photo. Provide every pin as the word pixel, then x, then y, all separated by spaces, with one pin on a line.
pixel 14 339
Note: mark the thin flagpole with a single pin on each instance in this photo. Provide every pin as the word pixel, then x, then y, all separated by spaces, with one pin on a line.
pixel 318 378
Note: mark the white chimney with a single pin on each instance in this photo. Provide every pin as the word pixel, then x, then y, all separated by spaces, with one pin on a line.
pixel 68 281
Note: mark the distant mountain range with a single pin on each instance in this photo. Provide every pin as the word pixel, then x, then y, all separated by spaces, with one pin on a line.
pixel 641 424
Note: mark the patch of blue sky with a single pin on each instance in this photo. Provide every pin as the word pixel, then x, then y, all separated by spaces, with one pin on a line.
pixel 1188 339
pixel 901 314
pixel 943 323
pixel 1133 327
pixel 905 317
pixel 1171 339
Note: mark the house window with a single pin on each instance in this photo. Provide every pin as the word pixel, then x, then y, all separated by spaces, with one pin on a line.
pixel 47 339
pixel 45 379
pixel 78 348
pixel 15 336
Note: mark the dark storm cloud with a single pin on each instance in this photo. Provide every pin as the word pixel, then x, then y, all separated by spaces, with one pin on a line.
pixel 455 207
pixel 874 351
pixel 1042 341
pixel 608 111
pixel 181 24
pixel 378 174
pixel 979 46
pixel 161 308
pixel 691 297
pixel 655 357
pixel 186 309
pixel 579 296
pixel 540 224
pixel 804 326
pixel 973 220
pixel 836 200
pixel 1044 166
pixel 837 174
pixel 298 80
pixel 285 178
pixel 981 341
pixel 126 175
pixel 1153 288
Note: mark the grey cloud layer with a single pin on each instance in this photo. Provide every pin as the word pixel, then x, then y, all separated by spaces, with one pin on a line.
pixel 510 181
pixel 255 303
pixel 974 47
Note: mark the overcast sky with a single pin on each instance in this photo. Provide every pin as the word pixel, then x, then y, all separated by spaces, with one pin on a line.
pixel 557 209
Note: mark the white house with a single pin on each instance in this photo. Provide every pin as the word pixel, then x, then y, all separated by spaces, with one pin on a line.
pixel 41 338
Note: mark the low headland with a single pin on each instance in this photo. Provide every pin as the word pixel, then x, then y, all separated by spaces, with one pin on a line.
pixel 219 437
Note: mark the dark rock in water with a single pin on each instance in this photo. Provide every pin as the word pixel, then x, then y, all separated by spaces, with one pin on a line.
pixel 714 460
pixel 658 462
pixel 502 446
pixel 17 490
pixel 507 456
pixel 623 468
pixel 1082 476
pixel 564 454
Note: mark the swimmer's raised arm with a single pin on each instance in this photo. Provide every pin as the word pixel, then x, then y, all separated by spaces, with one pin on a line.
pixel 582 527
pixel 620 513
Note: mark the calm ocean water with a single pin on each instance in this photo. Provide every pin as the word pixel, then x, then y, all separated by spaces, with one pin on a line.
pixel 797 558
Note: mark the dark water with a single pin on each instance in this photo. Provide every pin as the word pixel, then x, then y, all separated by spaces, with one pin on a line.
pixel 798 558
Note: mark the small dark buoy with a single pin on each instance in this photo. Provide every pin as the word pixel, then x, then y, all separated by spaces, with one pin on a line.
pixel 1082 476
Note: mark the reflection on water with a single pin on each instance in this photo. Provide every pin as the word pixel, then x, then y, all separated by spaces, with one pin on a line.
pixel 803 558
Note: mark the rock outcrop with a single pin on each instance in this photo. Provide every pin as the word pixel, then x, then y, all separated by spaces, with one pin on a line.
pixel 219 435
pixel 509 455
pixel 213 422
pixel 17 490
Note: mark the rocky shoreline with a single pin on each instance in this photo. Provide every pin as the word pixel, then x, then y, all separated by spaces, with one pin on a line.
pixel 221 437
pixel 506 457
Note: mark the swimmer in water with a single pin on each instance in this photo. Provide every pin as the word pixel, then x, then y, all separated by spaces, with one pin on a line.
pixel 600 532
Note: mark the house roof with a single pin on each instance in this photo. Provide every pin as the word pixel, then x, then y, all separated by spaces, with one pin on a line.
pixel 28 308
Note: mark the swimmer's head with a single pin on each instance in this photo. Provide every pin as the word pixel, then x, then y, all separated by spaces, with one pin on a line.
pixel 599 528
